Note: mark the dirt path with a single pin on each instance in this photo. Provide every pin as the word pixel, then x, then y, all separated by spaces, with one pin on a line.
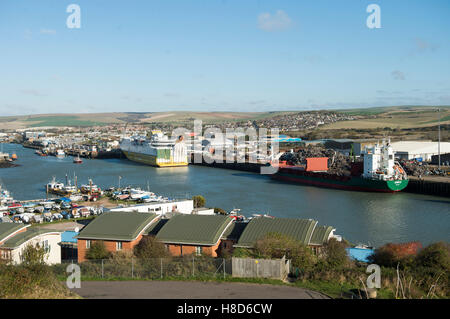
pixel 190 290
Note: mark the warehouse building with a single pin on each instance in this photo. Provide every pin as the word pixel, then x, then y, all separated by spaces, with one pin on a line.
pixel 422 150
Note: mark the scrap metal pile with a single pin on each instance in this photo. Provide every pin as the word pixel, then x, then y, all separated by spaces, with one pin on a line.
pixel 416 168
pixel 338 163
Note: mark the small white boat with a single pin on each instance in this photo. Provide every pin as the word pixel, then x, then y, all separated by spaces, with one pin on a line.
pixel 60 153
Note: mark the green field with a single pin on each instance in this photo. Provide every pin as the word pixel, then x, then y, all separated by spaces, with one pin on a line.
pixel 61 121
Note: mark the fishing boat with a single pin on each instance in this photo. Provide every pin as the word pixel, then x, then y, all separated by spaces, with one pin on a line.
pixel 378 173
pixel 77 160
pixel 90 188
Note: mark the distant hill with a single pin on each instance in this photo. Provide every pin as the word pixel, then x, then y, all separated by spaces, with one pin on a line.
pixel 390 116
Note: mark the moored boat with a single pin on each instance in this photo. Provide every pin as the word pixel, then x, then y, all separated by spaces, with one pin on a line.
pixel 77 160
pixel 379 173
pixel 159 150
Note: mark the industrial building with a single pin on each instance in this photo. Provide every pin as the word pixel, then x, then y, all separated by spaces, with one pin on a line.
pixel 422 150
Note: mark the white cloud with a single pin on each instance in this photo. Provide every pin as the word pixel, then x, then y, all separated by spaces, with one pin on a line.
pixel 276 22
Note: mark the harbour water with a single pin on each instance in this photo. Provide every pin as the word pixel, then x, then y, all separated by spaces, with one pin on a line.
pixel 360 217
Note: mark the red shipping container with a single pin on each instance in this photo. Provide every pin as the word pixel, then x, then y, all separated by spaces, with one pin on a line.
pixel 316 164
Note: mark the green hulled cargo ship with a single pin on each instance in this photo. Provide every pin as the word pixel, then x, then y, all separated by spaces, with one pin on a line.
pixel 379 173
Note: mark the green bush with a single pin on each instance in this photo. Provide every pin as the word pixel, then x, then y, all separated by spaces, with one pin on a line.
pixel 150 247
pixel 275 245
pixel 33 255
pixel 97 251
pixel 335 253
pixel 436 256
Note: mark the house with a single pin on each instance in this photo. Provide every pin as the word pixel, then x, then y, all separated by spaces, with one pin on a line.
pixel 14 238
pixel 118 230
pixel 194 234
pixel 303 230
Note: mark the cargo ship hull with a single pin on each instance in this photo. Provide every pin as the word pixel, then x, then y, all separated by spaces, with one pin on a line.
pixel 354 183
pixel 151 160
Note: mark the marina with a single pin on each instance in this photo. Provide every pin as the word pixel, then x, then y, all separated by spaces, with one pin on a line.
pixel 364 217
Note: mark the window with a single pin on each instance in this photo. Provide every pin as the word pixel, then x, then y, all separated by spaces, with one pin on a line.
pixel 198 250
pixel 119 245
pixel 46 246
pixel 88 244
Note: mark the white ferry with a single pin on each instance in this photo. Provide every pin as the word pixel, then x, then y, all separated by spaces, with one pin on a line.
pixel 159 150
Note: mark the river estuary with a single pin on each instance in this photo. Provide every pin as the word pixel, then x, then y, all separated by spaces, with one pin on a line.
pixel 359 217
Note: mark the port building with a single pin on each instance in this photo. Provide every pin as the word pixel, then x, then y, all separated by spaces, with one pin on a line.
pixel 160 208
pixel 422 150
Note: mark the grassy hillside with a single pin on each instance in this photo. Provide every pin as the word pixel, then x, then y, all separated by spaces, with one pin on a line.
pixel 393 117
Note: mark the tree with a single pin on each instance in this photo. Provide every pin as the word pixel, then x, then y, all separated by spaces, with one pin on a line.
pixel 199 201
pixel 33 255
pixel 150 247
pixel 97 251
pixel 391 254
pixel 335 253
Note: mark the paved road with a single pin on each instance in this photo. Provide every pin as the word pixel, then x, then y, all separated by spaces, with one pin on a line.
pixel 190 290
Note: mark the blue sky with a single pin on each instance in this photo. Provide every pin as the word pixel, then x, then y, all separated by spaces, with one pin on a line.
pixel 221 55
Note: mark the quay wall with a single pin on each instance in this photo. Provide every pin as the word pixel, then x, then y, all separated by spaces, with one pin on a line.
pixel 428 187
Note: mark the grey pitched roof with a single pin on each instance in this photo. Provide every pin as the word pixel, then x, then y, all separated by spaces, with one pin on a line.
pixel 22 237
pixel 234 231
pixel 124 226
pixel 6 229
pixel 257 228
pixel 194 229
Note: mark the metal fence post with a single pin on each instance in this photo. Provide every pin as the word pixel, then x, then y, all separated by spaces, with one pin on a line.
pixel 102 269
pixel 132 267
pixel 223 260
pixel 193 265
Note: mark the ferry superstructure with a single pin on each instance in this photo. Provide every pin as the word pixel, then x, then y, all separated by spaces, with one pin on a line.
pixel 158 150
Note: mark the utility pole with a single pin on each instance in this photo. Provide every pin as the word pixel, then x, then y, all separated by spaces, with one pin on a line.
pixel 439 140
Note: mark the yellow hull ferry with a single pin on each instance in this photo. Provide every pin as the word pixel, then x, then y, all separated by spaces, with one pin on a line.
pixel 158 151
